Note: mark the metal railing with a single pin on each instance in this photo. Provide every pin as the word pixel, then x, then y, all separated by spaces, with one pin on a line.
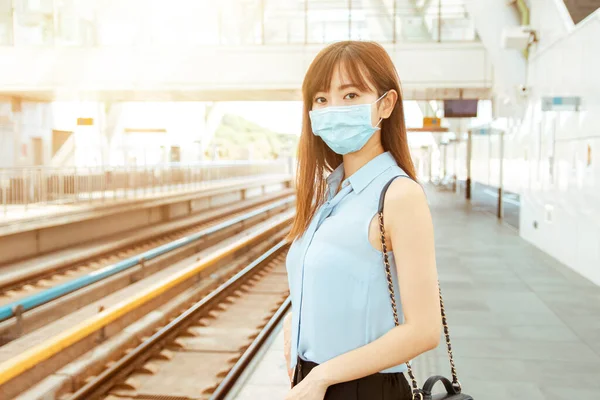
pixel 25 189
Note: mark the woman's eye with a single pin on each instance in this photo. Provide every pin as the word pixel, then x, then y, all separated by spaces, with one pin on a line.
pixel 320 100
pixel 351 96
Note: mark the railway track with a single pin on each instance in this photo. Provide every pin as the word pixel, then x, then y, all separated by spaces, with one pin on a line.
pixel 61 358
pixel 149 258
pixel 200 354
pixel 21 284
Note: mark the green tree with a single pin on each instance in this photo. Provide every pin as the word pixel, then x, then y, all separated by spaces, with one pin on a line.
pixel 239 139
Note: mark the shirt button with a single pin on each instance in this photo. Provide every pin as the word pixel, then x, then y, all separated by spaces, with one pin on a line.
pixel 346 183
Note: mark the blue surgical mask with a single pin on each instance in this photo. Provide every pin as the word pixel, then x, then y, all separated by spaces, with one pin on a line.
pixel 344 129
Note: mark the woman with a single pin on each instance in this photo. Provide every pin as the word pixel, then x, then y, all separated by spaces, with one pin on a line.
pixel 340 338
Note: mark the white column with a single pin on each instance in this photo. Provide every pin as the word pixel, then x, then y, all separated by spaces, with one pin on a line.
pixel 490 17
pixel 17 131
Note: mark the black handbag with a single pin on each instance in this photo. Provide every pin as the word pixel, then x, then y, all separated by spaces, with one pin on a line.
pixel 453 389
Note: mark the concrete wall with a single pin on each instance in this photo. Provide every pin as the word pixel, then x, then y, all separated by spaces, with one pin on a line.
pixel 20 123
pixel 170 70
pixel 552 158
pixel 564 198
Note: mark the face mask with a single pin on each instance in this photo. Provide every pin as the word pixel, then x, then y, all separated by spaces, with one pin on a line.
pixel 344 129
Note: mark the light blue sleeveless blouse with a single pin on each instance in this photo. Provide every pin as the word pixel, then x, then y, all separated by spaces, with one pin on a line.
pixel 338 286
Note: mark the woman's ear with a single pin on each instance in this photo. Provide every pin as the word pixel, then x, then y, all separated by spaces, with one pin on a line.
pixel 388 103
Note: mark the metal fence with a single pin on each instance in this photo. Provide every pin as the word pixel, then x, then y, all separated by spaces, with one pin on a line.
pixel 23 188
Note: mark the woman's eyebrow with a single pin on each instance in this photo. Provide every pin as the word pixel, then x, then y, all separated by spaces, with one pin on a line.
pixel 347 85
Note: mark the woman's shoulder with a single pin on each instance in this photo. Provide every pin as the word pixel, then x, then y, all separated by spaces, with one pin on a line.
pixel 405 189
pixel 406 203
pixel 402 187
pixel 396 174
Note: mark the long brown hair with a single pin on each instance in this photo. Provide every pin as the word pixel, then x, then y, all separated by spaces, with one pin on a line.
pixel 364 62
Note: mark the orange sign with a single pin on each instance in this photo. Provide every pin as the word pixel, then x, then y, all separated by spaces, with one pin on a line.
pixel 85 121
pixel 432 122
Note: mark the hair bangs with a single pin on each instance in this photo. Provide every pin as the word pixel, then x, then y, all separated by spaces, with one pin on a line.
pixel 320 73
pixel 347 63
pixel 353 67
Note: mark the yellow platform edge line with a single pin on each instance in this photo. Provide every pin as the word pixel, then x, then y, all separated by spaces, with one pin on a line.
pixel 15 366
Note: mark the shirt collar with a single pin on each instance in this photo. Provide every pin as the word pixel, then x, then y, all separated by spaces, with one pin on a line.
pixel 365 174
pixel 334 178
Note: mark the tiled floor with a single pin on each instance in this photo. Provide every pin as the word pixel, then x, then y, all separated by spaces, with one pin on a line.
pixel 269 380
pixel 522 325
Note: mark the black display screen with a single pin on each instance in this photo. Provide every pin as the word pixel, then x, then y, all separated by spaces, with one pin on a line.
pixel 460 108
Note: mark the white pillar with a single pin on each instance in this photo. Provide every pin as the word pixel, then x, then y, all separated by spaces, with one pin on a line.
pixel 17 123
pixel 490 18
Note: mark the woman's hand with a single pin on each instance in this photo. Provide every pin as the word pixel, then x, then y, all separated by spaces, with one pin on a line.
pixel 287 325
pixel 312 387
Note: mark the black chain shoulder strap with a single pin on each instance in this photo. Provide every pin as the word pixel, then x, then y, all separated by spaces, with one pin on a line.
pixel 388 273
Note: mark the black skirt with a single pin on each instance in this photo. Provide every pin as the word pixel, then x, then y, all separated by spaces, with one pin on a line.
pixel 379 386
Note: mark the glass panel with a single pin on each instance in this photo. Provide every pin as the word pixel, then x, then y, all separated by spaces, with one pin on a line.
pixel 6 26
pixel 416 21
pixel 374 22
pixel 35 6
pixel 35 22
pixel 431 19
pixel 156 22
pixel 328 21
pixel 118 23
pixel 230 22
pixel 75 23
pixel 197 23
pixel 420 21
pixel 284 21
pixel 240 21
pixel 456 23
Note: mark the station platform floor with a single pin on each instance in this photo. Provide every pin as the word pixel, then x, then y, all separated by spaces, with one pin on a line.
pixel 522 325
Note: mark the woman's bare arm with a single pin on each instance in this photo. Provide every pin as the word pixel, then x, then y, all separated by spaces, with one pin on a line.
pixel 287 326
